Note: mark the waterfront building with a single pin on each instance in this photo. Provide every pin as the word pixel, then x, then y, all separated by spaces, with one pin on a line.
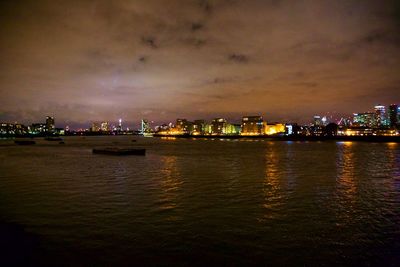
pixel 95 127
pixel 38 128
pixel 393 115
pixel 252 125
pixel 355 131
pixel 208 129
pixel 50 126
pixel 218 126
pixel 198 127
pixel 233 129
pixel 184 126
pixel 105 126
pixel 274 128
pixel 13 129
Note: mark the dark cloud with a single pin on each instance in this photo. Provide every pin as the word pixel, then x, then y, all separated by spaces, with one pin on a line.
pixel 143 59
pixel 149 41
pixel 239 58
pixel 196 26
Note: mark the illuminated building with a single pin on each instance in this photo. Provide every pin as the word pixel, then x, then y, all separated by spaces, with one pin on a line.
pixel 398 114
pixel 393 115
pixel 356 131
pixel 324 121
pixel 218 126
pixel 252 125
pixel 184 126
pixel 366 119
pixel 232 129
pixel 276 128
pixel 198 127
pixel 95 127
pixel 50 124
pixel 105 126
pixel 317 120
pixel 38 128
pixel 380 112
pixel 119 127
pixel 13 129
pixel 208 129
pixel 289 129
pixel 145 128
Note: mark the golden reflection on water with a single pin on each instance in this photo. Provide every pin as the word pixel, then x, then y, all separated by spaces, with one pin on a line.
pixel 393 165
pixel 170 183
pixel 346 187
pixel 345 165
pixel 272 182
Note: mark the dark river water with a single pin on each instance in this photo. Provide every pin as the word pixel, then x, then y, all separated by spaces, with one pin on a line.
pixel 200 203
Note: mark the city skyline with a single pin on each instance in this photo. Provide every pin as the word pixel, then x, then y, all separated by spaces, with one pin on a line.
pixel 378 116
pixel 102 60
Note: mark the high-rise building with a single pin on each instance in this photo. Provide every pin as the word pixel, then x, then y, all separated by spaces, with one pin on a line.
pixel 145 127
pixel 393 115
pixel 380 113
pixel 50 126
pixel 366 119
pixel 398 114
pixel 252 125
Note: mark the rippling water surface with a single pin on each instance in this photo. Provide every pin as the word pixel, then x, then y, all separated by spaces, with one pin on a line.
pixel 200 202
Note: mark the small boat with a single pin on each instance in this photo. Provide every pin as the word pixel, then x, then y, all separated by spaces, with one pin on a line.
pixel 120 151
pixel 24 142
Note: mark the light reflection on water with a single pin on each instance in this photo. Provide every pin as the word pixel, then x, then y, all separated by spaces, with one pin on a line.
pixel 170 182
pixel 212 202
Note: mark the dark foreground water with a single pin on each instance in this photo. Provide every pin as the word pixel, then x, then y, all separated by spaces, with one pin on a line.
pixel 200 202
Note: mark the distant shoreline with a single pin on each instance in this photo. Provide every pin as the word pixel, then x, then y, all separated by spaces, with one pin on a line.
pixel 373 139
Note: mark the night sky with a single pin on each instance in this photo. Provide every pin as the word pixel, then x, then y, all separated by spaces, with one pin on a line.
pixel 84 61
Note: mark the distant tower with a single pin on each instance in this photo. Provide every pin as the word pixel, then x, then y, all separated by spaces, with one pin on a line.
pixel 145 127
pixel 50 127
pixel 119 125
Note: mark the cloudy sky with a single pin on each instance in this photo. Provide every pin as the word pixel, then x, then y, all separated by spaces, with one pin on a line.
pixel 84 61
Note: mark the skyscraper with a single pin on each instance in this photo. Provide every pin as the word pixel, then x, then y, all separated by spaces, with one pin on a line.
pixel 380 112
pixel 366 119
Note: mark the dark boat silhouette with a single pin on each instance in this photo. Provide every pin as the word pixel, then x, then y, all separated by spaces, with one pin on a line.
pixel 24 142
pixel 49 138
pixel 120 151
